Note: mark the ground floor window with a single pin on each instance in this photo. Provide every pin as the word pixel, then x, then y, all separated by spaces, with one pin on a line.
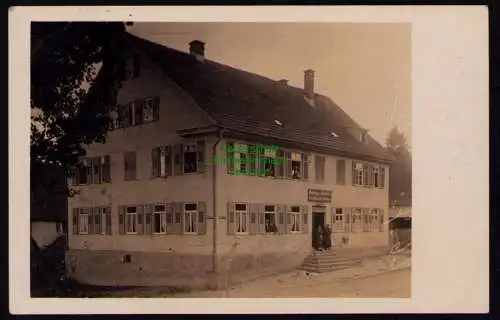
pixel 357 223
pixel 159 219
pixel 270 219
pixel 295 218
pixel 83 221
pixel 338 220
pixel 241 213
pixel 190 213
pixel 131 220
pixel 374 220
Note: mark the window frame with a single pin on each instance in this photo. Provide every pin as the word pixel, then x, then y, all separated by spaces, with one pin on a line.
pixel 193 214
pixel 237 218
pixel 83 220
pixel 183 155
pixel 335 225
pixel 358 226
pixel 128 176
pixel 163 218
pixel 273 213
pixel 135 216
pixel 358 173
pixel 296 219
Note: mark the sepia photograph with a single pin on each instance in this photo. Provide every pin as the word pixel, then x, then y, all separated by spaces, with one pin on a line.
pixel 193 158
pixel 221 159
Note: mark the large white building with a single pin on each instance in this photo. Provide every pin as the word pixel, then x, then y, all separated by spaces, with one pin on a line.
pixel 174 198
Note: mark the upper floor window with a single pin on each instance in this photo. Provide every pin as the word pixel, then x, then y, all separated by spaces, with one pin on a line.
pixel 191 156
pixel 94 170
pixel 130 165
pixel 319 168
pixel 357 173
pixel 130 67
pixel 140 111
pixel 294 165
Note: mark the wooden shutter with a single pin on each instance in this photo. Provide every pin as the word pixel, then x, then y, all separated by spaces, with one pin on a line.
pixel 288 165
pixel 280 166
pixel 200 150
pixel 382 176
pixel 90 220
pixel 364 218
pixel 168 160
pixel 305 218
pixel 106 169
pixel 230 157
pixel 252 160
pixel 98 227
pixel 365 175
pixel 289 222
pixel 347 219
pixel 178 217
pixel 75 220
pixel 156 108
pixel 147 213
pixel 136 65
pixel 178 166
pixel 121 219
pixel 261 218
pixel 230 218
pixel 138 111
pixel 155 163
pixel 202 218
pixel 305 166
pixel 108 220
pixel 353 172
pixel 140 219
pixel 340 176
pixel 254 218
pixel 282 218
pixel 381 220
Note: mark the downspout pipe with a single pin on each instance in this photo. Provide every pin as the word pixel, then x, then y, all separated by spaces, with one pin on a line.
pixel 214 200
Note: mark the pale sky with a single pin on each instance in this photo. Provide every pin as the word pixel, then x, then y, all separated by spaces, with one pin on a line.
pixel 365 68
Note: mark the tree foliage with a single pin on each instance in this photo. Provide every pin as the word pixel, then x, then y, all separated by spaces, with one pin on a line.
pixel 65 114
pixel 400 178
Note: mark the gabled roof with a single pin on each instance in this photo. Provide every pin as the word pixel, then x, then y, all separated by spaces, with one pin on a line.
pixel 249 103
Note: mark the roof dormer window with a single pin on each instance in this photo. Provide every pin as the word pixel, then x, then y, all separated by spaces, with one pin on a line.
pixel 333 134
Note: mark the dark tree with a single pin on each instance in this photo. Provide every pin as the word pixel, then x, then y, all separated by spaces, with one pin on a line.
pixel 401 171
pixel 66 116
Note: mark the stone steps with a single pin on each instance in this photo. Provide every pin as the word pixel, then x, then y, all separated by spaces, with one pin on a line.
pixel 326 261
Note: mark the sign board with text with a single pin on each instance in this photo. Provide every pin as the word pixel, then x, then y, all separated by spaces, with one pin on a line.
pixel 318 195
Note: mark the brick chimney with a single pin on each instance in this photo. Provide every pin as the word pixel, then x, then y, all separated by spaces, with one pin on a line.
pixel 309 84
pixel 197 49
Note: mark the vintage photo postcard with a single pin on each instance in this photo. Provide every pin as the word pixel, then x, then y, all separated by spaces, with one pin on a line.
pixel 280 155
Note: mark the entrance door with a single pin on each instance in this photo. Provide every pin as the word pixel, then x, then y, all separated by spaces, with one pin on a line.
pixel 318 219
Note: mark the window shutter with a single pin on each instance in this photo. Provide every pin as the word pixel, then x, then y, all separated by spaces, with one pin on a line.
pixel 178 217
pixel 305 166
pixel 121 219
pixel 156 108
pixel 108 220
pixel 97 220
pixel 200 150
pixel 289 223
pixel 230 218
pixel 140 220
pixel 340 172
pixel 381 220
pixel 88 171
pixel 254 219
pixel 138 107
pixel 155 163
pixel 305 219
pixel 90 221
pixel 353 172
pixel 202 212
pixel 382 176
pixel 282 219
pixel 75 220
pixel 147 210
pixel 178 167
pixel 261 218
pixel 168 160
pixel 252 160
pixel 230 157
pixel 280 172
pixel 365 174
pixel 137 65
pixel 106 168
pixel 288 165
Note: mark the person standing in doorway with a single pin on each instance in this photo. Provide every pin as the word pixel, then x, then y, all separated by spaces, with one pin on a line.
pixel 327 237
pixel 318 238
